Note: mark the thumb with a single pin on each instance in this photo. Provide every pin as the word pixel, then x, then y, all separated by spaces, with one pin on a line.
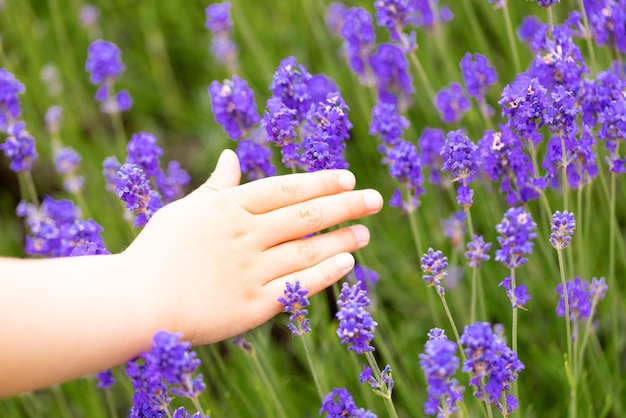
pixel 227 172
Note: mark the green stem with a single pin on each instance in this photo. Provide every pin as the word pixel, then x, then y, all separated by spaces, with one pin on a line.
pixel 590 47
pixel 422 75
pixel 61 401
pixel 473 297
pixel 268 385
pixel 511 37
pixel 570 362
pixel 196 404
pixel 27 187
pixel 316 379
pixel 514 338
pixel 110 403
pixel 386 393
pixel 453 325
pixel 564 178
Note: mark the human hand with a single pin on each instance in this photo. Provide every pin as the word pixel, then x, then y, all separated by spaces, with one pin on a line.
pixel 220 257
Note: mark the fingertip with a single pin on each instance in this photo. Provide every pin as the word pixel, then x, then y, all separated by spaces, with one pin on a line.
pixel 373 200
pixel 362 234
pixel 345 262
pixel 347 180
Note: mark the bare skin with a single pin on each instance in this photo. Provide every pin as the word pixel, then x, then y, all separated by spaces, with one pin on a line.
pixel 211 265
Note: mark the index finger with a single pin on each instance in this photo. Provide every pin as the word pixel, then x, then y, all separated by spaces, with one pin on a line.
pixel 267 194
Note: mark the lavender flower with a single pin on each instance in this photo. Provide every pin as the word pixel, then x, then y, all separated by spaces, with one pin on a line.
pixel 133 188
pixel 110 167
pixel 172 183
pixel 339 404
pixel 429 13
pixel 10 108
pixel 391 70
pixel 364 277
pixel 105 379
pixel 582 297
pixel 356 326
pixel 53 118
pixel 478 75
pixel 294 301
pixel 387 122
pixel 516 230
pixel 220 24
pixel 607 18
pixel 434 264
pixel 150 396
pixel 104 63
pixel 19 148
pixel 385 385
pixel 563 225
pixel 461 159
pixel 175 363
pixel 493 366
pixel 454 229
pixel 477 251
pixel 452 103
pixel 460 156
pixel 358 31
pixel 89 15
pixel 233 106
pixel 518 295
pixel 504 158
pixel 57 230
pixel 528 28
pixel 405 166
pixel 334 17
pixel 440 364
pixel 395 15
pixel 66 162
pixel 291 85
pixel 523 101
pixel 431 142
pixel 547 3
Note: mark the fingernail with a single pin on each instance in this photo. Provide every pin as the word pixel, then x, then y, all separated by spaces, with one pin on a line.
pixel 362 234
pixel 345 261
pixel 373 200
pixel 346 180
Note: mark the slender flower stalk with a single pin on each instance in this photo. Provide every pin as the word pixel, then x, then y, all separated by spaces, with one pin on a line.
pixel 294 301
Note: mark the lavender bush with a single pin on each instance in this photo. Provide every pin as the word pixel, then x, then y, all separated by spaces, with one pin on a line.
pixel 493 128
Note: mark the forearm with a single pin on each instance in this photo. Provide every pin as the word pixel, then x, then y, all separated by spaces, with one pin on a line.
pixel 81 315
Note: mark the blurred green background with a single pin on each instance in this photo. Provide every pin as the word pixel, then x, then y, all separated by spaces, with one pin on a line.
pixel 168 69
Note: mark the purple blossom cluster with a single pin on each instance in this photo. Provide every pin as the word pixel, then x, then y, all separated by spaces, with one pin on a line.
pixel 434 264
pixel 582 296
pixel 66 163
pixel 356 326
pixel 452 103
pixel 220 24
pixel 477 251
pixel 19 147
pixel 518 295
pixel 562 227
pixel 517 230
pixel 460 157
pixel 440 363
pixel 339 403
pixel 56 229
pixel 234 107
pixel 478 75
pixel 382 385
pixel 493 366
pixel 310 107
pixel 357 30
pixel 168 367
pixel 10 109
pixel 104 63
pixel 430 142
pixel 294 301
pixel 405 166
pixel 607 19
pixel 140 182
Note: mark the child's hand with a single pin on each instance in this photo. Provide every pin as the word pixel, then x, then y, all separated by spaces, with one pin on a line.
pixel 220 257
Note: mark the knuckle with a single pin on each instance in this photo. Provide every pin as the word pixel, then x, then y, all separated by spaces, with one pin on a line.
pixel 308 250
pixel 311 214
pixel 290 190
